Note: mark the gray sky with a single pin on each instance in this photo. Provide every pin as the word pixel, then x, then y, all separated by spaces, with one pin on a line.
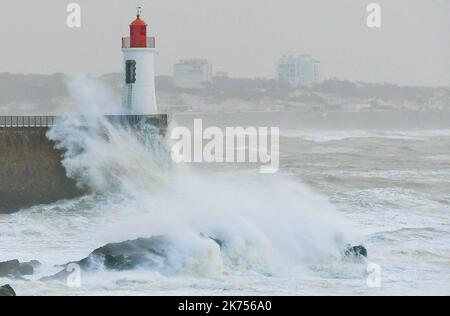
pixel 242 37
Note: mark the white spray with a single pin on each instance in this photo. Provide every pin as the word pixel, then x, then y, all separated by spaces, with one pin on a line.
pixel 270 223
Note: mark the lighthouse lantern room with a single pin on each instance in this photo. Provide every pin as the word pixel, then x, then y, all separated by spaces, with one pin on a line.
pixel 139 95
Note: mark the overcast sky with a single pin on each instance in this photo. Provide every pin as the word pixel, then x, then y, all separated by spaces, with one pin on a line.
pixel 242 37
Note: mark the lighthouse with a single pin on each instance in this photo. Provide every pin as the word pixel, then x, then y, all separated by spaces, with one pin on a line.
pixel 138 49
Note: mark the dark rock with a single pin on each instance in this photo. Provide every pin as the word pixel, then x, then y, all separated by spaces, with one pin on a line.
pixel 143 252
pixel 34 263
pixel 26 269
pixel 7 290
pixel 129 254
pixel 14 268
pixel 8 268
pixel 356 252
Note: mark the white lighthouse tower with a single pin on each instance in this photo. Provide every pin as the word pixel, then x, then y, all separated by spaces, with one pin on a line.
pixel 139 95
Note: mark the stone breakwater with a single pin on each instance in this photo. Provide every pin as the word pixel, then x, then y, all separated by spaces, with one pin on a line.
pixel 30 170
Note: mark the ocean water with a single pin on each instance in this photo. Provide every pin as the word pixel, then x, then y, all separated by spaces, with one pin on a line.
pixel 387 189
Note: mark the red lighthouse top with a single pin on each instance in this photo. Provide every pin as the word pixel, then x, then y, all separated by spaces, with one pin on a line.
pixel 138 32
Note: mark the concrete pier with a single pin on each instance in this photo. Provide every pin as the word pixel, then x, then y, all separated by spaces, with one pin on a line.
pixel 30 167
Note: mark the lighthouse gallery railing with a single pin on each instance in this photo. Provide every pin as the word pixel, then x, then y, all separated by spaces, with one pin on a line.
pixel 126 42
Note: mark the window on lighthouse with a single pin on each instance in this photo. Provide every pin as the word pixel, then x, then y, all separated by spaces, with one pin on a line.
pixel 130 71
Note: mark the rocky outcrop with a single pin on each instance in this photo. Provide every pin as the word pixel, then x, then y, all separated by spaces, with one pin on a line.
pixel 355 252
pixel 142 252
pixel 16 269
pixel 7 290
pixel 151 253
pixel 128 254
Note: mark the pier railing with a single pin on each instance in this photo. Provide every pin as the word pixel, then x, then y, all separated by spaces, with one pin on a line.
pixel 48 121
pixel 27 121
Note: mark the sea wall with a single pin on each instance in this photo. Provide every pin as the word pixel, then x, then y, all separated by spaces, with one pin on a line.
pixel 30 170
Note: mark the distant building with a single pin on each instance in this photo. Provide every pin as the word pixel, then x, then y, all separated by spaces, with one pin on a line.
pixel 298 70
pixel 192 73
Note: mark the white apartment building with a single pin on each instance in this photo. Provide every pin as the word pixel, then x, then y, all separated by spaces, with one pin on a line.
pixel 298 70
pixel 192 73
